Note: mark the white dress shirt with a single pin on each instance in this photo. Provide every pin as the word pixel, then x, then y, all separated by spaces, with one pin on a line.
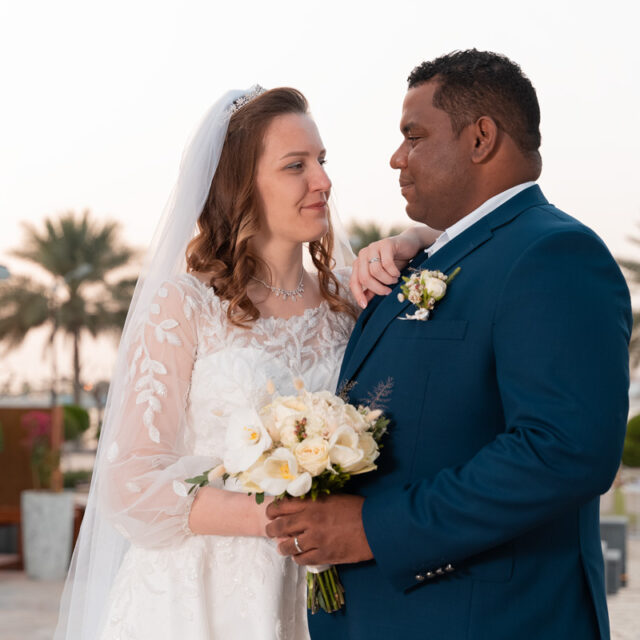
pixel 464 223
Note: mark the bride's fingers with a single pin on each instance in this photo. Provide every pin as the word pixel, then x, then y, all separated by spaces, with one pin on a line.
pixel 364 280
pixel 378 271
pixel 356 287
pixel 379 262
pixel 387 255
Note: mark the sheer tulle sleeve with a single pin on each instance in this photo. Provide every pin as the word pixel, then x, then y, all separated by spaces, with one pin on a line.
pixel 343 274
pixel 144 493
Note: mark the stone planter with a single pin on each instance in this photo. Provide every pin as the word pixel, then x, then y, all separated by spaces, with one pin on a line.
pixel 47 533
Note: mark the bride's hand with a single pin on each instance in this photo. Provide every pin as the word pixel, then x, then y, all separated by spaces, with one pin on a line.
pixel 377 267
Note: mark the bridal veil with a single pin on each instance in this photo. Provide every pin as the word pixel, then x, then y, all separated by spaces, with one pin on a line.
pixel 102 542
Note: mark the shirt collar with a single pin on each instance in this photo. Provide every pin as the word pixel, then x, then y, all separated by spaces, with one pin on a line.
pixel 485 208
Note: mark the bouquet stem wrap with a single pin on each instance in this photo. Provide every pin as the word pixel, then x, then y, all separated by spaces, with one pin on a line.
pixel 324 589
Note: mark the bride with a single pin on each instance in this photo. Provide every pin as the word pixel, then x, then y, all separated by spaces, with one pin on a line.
pixel 215 317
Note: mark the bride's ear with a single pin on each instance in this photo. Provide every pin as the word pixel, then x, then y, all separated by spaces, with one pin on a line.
pixel 484 137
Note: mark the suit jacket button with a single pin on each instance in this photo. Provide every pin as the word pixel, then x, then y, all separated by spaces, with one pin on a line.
pixel 449 568
pixel 420 577
pixel 430 574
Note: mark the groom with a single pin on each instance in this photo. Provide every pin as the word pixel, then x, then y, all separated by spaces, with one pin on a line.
pixel 509 403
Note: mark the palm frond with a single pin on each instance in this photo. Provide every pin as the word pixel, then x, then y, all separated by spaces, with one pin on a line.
pixel 24 305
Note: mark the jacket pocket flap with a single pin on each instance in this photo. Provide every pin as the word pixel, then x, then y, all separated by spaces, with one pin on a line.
pixel 428 329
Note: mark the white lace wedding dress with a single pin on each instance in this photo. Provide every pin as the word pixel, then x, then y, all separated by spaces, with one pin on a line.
pixel 190 370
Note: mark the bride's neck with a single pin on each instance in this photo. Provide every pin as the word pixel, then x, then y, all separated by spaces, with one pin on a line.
pixel 284 261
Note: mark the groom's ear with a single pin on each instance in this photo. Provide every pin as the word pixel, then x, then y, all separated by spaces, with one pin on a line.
pixel 484 137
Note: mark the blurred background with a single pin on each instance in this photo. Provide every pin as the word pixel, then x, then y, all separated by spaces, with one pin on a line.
pixel 97 102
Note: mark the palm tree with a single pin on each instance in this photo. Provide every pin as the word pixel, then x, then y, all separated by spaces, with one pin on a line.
pixel 363 234
pixel 79 254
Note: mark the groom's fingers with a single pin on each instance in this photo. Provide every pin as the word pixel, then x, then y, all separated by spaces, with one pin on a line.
pixel 283 507
pixel 284 526
pixel 287 546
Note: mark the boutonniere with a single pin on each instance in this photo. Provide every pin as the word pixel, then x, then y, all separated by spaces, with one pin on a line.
pixel 424 289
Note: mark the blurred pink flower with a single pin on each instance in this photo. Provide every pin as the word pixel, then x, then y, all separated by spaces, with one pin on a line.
pixel 37 424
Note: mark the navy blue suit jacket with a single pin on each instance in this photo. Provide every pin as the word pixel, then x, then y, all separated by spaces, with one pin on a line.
pixel 508 412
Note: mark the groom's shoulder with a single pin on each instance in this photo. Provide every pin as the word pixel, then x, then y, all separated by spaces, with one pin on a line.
pixel 545 220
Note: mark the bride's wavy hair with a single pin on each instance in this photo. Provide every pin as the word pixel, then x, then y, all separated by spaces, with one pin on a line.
pixel 231 215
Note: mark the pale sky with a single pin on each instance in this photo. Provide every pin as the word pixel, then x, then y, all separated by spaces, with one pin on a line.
pixel 98 98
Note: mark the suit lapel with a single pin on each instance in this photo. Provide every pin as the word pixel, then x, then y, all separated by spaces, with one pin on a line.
pixel 443 260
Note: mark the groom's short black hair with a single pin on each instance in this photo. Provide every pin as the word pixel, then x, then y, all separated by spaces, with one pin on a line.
pixel 476 83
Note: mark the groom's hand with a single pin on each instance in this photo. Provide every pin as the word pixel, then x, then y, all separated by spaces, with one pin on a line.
pixel 329 530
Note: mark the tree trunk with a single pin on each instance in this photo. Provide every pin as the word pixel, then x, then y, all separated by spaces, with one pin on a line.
pixel 76 366
pixel 54 366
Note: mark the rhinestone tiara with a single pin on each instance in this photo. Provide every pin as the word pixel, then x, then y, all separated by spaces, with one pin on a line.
pixel 240 102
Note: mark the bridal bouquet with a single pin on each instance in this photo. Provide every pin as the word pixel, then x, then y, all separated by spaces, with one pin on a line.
pixel 302 446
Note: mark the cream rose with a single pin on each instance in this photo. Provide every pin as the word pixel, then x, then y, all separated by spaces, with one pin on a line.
pixel 435 287
pixel 313 455
pixel 328 398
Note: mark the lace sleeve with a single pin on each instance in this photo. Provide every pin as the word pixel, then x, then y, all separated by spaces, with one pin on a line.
pixel 144 493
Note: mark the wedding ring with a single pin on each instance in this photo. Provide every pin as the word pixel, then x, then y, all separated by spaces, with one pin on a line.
pixel 376 259
pixel 297 544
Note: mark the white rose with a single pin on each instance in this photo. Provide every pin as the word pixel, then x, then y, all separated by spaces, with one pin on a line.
pixel 246 440
pixel 313 455
pixel 344 449
pixel 435 287
pixel 328 397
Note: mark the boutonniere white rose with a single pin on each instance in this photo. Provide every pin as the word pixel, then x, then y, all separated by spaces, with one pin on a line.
pixel 424 289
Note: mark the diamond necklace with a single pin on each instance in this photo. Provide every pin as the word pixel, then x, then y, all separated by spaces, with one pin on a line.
pixel 294 294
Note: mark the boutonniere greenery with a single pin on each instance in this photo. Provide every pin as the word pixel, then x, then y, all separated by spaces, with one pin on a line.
pixel 424 289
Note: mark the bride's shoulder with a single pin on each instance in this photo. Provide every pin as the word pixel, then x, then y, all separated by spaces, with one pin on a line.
pixel 188 292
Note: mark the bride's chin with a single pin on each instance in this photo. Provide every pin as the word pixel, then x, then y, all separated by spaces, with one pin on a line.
pixel 313 233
